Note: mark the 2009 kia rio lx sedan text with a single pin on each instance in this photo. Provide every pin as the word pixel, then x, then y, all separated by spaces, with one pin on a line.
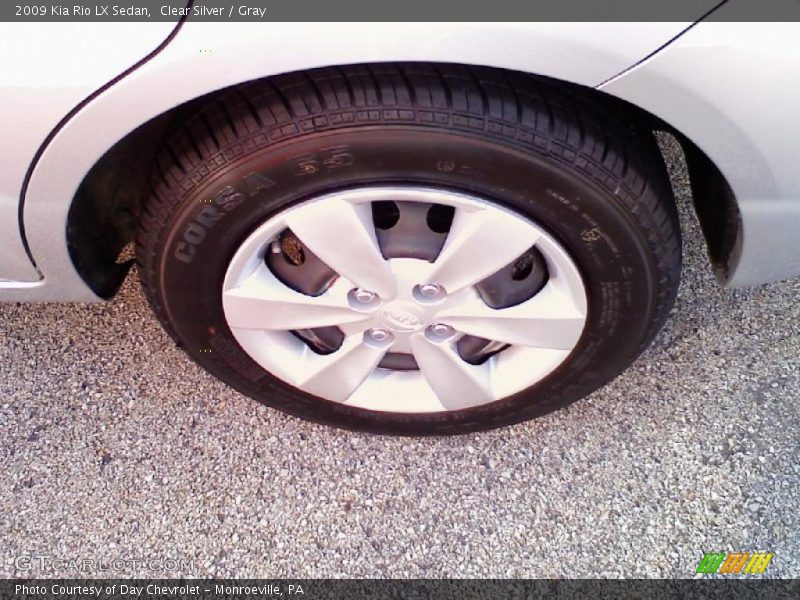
pixel 399 228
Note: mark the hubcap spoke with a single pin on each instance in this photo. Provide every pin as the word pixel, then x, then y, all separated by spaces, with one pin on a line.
pixel 457 383
pixel 480 243
pixel 263 302
pixel 548 320
pixel 343 236
pixel 336 376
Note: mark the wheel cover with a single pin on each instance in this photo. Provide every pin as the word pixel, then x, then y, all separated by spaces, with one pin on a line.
pixel 418 307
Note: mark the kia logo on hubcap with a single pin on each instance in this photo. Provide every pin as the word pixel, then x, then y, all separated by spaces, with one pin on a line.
pixel 401 319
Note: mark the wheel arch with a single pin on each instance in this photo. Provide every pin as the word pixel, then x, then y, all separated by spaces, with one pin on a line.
pixel 103 213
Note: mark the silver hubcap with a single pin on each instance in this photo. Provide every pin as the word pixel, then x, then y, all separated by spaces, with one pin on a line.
pixel 404 306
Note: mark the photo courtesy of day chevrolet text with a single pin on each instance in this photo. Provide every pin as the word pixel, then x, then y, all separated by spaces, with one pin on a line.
pixel 163 589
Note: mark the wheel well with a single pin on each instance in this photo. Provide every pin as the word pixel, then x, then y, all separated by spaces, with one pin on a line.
pixel 716 208
pixel 104 213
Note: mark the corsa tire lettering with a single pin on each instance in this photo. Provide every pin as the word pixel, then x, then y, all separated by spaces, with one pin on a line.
pixel 195 232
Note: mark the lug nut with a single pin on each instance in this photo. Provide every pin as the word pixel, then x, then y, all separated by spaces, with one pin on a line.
pixel 429 293
pixel 364 296
pixel 363 300
pixel 429 290
pixel 381 338
pixel 439 332
pixel 442 329
pixel 379 334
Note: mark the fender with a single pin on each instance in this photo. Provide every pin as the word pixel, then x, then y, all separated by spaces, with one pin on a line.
pixel 204 57
pixel 52 59
pixel 725 86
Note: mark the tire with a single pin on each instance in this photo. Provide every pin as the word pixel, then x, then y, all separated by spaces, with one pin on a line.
pixel 533 149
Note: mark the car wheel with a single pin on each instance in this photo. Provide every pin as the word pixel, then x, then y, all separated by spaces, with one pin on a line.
pixel 410 249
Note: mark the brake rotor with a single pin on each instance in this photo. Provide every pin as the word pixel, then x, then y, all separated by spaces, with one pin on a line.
pixel 302 270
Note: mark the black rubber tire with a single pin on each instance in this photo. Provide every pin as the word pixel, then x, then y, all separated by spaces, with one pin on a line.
pixel 536 146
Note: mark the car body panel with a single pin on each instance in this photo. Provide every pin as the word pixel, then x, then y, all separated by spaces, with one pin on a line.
pixel 48 69
pixel 734 89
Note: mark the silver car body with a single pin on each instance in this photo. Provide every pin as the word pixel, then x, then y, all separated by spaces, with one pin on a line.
pixel 71 92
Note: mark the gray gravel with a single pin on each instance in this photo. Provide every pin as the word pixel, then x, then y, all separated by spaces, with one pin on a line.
pixel 113 445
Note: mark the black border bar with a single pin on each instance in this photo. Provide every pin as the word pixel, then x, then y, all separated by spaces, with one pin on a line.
pixel 378 589
pixel 220 11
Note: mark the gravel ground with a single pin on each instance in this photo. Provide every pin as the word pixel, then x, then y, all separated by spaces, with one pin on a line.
pixel 113 444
